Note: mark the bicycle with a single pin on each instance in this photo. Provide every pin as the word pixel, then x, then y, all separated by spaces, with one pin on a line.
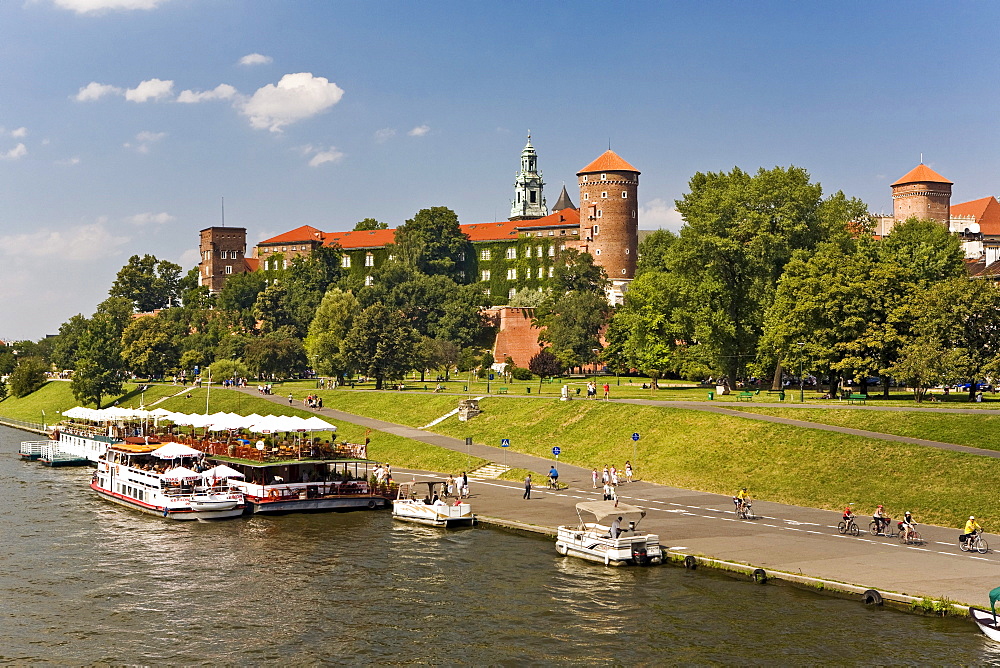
pixel 913 538
pixel 553 482
pixel 974 542
pixel 744 511
pixel 889 530
pixel 848 527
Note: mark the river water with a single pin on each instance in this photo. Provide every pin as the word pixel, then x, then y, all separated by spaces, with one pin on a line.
pixel 85 581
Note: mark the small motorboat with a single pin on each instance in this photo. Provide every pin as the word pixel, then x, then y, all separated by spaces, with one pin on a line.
pixel 611 538
pixel 986 620
pixel 424 503
pixel 212 502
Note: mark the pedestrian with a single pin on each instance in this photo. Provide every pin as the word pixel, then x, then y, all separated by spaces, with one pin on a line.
pixel 628 471
pixel 465 484
pixel 527 487
pixel 289 398
pixel 613 496
pixel 605 476
pixel 595 475
pixel 607 491
pixel 450 486
pixel 591 390
pixel 607 391
pixel 614 476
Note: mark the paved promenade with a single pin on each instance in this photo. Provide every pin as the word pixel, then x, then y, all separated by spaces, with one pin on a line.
pixel 785 538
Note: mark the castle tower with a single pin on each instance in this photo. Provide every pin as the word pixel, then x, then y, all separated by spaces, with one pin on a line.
pixel 609 216
pixel 529 202
pixel 564 202
pixel 223 253
pixel 922 193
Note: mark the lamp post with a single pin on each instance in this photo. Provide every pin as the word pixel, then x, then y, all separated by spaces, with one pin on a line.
pixel 802 398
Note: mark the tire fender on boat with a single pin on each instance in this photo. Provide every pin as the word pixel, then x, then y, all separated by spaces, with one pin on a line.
pixel 371 504
pixel 759 576
pixel 272 494
pixel 690 562
pixel 872 597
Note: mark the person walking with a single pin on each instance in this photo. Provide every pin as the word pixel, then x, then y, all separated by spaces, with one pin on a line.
pixel 607 391
pixel 595 475
pixel 289 398
pixel 607 491
pixel 628 471
pixel 605 476
pixel 614 476
pixel 465 484
pixel 527 487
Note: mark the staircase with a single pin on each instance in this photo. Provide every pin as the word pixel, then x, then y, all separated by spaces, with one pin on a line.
pixel 490 471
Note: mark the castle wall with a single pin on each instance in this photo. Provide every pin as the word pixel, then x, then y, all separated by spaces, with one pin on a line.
pixel 609 220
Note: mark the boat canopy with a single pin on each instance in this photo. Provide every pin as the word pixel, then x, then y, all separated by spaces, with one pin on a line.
pixel 175 450
pixel 605 509
pixel 222 471
pixel 181 473
pixel 260 424
pixel 994 597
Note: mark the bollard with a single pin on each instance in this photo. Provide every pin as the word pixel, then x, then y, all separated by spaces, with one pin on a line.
pixel 711 396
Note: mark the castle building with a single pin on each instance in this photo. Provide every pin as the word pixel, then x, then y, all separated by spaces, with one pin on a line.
pixel 529 201
pixel 922 193
pixel 223 253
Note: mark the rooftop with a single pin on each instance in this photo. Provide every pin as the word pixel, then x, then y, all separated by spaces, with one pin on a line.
pixel 922 174
pixel 609 161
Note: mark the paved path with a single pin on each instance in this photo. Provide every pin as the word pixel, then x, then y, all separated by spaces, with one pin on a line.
pixel 788 538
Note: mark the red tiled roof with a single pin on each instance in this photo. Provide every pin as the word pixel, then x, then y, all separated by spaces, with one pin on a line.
pixel 508 229
pixel 986 211
pixel 299 234
pixel 360 238
pixel 609 161
pixel 922 174
pixel 252 263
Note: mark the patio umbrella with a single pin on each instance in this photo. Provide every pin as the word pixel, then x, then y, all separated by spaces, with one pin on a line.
pixel 175 450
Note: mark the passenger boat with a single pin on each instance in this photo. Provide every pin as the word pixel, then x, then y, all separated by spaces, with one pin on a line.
pixel 986 620
pixel 154 478
pixel 423 503
pixel 594 540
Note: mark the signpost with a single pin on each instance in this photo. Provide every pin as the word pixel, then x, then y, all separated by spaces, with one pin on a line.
pixel 504 443
pixel 635 439
pixel 556 452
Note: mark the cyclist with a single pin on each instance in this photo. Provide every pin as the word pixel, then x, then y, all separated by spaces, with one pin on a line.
pixel 881 519
pixel 741 499
pixel 848 514
pixel 907 526
pixel 553 477
pixel 971 527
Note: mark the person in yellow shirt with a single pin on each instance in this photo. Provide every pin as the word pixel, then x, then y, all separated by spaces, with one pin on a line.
pixel 971 527
pixel 741 498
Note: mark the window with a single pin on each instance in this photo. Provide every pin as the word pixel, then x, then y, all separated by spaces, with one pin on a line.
pixel 283 249
pixel 604 194
pixel 484 254
pixel 599 213
pixel 604 177
pixel 393 257
pixel 552 251
pixel 562 247
pixel 345 261
pixel 461 257
pixel 626 251
pixel 369 279
pixel 623 271
pixel 584 177
pixel 229 269
pixel 284 265
pixel 512 274
pixel 552 233
pixel 538 251
pixel 541 272
pixel 369 260
pixel 551 272
pixel 597 230
pixel 624 194
pixel 633 213
pixel 533 195
pixel 511 293
pixel 512 253
pixel 586 195
pixel 223 254
pixel 562 233
pixel 485 275
pixel 597 252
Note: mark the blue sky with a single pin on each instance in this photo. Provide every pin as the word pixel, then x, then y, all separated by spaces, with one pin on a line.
pixel 123 123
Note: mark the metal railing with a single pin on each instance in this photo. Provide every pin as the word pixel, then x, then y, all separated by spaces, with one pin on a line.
pixel 22 424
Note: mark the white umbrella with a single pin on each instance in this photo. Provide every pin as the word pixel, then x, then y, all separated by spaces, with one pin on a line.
pixel 175 450
pixel 81 413
pixel 318 424
pixel 181 473
pixel 222 471
pixel 161 413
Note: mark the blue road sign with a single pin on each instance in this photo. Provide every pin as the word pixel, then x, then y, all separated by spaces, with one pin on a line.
pixel 504 442
pixel 491 376
pixel 556 451
pixel 635 436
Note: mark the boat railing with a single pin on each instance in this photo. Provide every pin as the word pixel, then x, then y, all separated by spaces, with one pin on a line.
pixel 306 490
pixel 278 453
pixel 32 448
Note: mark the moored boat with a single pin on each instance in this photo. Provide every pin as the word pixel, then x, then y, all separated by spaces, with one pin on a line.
pixel 154 478
pixel 986 620
pixel 422 502
pixel 614 543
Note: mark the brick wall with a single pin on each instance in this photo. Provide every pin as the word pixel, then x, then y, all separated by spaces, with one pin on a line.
pixel 516 337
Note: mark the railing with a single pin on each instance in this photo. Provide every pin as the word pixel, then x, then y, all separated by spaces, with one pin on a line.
pixel 32 448
pixel 278 453
pixel 22 424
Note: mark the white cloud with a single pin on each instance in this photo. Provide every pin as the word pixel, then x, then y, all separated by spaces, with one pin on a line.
pixel 15 153
pixel 88 6
pixel 69 161
pixel 144 139
pixel 419 131
pixel 384 135
pixel 256 59
pixel 189 258
pixel 294 98
pixel 19 133
pixel 151 89
pixel 150 218
pixel 220 92
pixel 659 214
pixel 86 242
pixel 95 91
pixel 329 155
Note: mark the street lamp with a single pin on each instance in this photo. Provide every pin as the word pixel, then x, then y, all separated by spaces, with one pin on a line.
pixel 802 398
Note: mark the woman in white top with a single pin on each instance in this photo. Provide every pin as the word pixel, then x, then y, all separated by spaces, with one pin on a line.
pixel 628 471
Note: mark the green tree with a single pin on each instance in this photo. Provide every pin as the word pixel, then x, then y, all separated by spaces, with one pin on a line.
pixel 654 252
pixel 221 370
pixel 148 283
pixel 273 309
pixel 433 243
pixel 380 344
pixel 119 311
pixel 67 341
pixel 8 360
pixel 100 369
pixel 527 298
pixel 306 282
pixel 573 326
pixel 148 347
pixel 574 271
pixel 28 376
pixel 924 363
pixel 240 291
pixel 193 295
pixel 369 224
pixel 3 388
pixel 325 341
pixel 279 354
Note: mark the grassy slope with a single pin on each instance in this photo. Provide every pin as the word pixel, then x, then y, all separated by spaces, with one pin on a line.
pixel 720 453
pixel 981 431
pixel 400 452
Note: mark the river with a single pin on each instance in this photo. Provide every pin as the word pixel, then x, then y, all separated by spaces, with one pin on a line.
pixel 86 581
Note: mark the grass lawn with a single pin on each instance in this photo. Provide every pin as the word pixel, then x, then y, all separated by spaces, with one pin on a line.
pixel 981 431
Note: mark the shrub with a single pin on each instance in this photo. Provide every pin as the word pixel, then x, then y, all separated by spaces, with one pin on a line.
pixel 520 373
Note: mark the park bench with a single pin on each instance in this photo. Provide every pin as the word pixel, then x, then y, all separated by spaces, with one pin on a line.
pixel 857 398
pixel 501 390
pixel 780 393
pixel 744 396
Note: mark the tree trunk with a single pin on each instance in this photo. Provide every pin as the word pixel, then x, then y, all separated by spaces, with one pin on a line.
pixel 885 386
pixel 776 382
pixel 422 375
pixel 378 382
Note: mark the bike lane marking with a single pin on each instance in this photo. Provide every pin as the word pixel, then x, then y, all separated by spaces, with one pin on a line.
pixel 981 558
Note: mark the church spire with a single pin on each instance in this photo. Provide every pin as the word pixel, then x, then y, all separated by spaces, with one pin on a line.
pixel 529 202
pixel 564 202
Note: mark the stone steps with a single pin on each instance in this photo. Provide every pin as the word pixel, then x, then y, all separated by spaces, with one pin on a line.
pixel 490 471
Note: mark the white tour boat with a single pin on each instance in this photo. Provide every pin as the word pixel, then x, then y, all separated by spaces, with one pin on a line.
pixel 154 478
pixel 422 502
pixel 611 538
pixel 987 620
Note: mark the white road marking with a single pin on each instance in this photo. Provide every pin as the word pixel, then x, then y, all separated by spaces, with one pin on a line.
pixel 714 510
pixel 922 549
pixel 797 523
pixel 773 526
pixel 942 543
pixel 981 558
pixel 643 500
pixel 817 532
